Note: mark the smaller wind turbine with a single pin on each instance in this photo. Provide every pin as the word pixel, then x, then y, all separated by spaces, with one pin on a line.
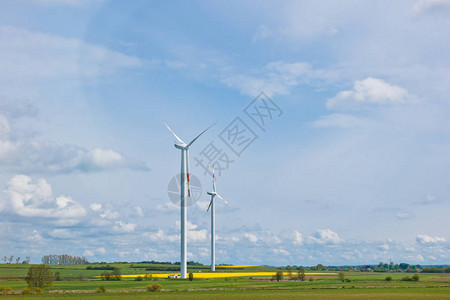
pixel 211 205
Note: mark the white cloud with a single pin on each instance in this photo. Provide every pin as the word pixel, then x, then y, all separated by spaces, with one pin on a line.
pixel 384 247
pixel 277 78
pixel 340 121
pixel 280 251
pixel 101 251
pixel 430 200
pixel 60 233
pixel 95 206
pixel 297 238
pixel 251 237
pixel 123 227
pixel 431 6
pixel 27 199
pixel 109 215
pixel 324 236
pixel 160 236
pixel 30 55
pixel 197 235
pixel 35 236
pixel 88 253
pixel 137 210
pixel 49 157
pixel 368 91
pixel 404 215
pixel 429 240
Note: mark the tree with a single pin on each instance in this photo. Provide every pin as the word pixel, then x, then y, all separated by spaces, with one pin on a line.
pixel 279 275
pixel 10 259
pixel 5 258
pixel 289 269
pixel 17 260
pixel 301 274
pixel 39 276
pixel 415 277
pixel 341 276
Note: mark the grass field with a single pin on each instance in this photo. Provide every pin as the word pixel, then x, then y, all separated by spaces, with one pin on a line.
pixel 324 286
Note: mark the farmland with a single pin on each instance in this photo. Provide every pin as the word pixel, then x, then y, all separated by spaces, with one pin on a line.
pixel 257 283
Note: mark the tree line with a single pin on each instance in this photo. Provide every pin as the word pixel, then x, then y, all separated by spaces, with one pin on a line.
pixel 63 259
pixel 11 259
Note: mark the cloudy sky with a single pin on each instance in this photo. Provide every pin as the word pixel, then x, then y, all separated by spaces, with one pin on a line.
pixel 343 159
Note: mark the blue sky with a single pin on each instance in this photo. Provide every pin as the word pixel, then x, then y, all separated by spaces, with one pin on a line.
pixel 352 168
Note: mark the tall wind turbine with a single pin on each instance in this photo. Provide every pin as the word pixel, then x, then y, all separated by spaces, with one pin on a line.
pixel 184 175
pixel 213 225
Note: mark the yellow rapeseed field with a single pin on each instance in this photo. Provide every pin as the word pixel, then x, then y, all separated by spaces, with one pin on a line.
pixel 225 275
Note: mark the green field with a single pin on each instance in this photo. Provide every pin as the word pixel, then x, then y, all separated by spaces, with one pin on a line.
pixel 81 283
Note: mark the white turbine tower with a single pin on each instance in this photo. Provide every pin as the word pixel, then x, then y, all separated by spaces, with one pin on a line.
pixel 184 175
pixel 213 225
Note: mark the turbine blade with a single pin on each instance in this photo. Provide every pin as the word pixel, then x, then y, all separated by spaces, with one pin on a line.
pixel 190 143
pixel 210 202
pixel 223 199
pixel 174 134
pixel 187 173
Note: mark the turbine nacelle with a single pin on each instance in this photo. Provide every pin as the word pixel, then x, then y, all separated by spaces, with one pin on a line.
pixel 181 147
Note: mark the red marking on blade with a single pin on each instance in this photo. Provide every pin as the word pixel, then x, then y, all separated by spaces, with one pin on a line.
pixel 188 176
pixel 189 193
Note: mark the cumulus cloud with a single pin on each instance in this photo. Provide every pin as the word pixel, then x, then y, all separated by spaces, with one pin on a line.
pixel 429 240
pixel 251 237
pixel 368 91
pixel 49 157
pixel 123 227
pixel 95 206
pixel 297 238
pixel 29 199
pixel 137 211
pixel 161 236
pixel 44 55
pixel 324 236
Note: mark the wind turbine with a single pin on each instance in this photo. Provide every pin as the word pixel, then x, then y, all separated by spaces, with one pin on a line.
pixel 184 175
pixel 213 225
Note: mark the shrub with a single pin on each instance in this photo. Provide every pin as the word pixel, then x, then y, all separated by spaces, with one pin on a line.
pixel 38 290
pixel 415 277
pixel 7 290
pixel 57 276
pixel 406 278
pixel 191 276
pixel 310 279
pixel 347 280
pixel 388 278
pixel 139 278
pixel 101 289
pixel 26 291
pixel 154 287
